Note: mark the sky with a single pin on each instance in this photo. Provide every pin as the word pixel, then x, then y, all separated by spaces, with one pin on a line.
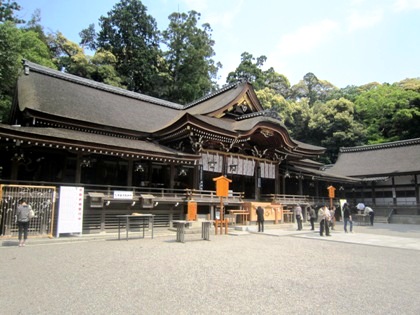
pixel 350 42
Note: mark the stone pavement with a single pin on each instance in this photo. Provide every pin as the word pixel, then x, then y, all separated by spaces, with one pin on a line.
pixel 398 237
pixel 281 271
pixel 404 236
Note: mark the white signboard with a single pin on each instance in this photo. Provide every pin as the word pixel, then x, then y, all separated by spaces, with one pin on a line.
pixel 70 210
pixel 120 194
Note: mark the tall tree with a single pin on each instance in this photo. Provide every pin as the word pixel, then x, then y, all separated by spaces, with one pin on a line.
pixel 17 44
pixel 88 37
pixel 8 11
pixel 276 81
pixel 70 57
pixel 332 125
pixel 389 113
pixel 192 70
pixel 312 88
pixel 131 35
pixel 9 66
pixel 249 68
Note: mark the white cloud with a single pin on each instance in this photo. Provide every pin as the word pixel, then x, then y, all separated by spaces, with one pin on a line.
pixel 306 38
pixel 217 12
pixel 197 5
pixel 404 5
pixel 357 21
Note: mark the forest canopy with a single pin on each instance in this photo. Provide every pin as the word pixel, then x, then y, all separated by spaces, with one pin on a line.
pixel 178 64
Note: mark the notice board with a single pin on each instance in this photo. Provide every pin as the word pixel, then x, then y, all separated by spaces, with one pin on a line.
pixel 70 210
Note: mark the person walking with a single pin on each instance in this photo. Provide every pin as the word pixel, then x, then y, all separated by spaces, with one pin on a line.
pixel 260 219
pixel 298 214
pixel 23 218
pixel 312 216
pixel 347 217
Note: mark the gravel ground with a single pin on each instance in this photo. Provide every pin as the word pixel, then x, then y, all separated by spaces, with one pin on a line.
pixel 247 274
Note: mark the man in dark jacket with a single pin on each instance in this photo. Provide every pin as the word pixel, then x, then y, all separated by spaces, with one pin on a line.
pixel 347 218
pixel 260 219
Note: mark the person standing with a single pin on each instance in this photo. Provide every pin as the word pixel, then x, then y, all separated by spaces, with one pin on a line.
pixel 347 217
pixel 327 221
pixel 324 216
pixel 23 219
pixel 260 219
pixel 298 214
pixel 332 220
pixel 312 217
pixel 371 213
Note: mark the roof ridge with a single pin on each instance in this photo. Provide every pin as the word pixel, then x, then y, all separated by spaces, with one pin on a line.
pixel 250 115
pixel 379 146
pixel 210 95
pixel 98 85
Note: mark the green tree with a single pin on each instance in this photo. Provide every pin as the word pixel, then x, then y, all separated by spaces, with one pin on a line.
pixel 71 57
pixel 9 66
pixel 192 70
pixel 131 35
pixel 389 112
pixel 412 84
pixel 332 125
pixel 88 37
pixel 7 11
pixel 295 115
pixel 249 69
pixel 312 88
pixel 276 81
pixel 34 49
pixel 17 44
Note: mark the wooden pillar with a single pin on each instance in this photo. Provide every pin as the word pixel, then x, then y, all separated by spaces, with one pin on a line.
pixel 300 185
pixel 417 194
pixel 277 180
pixel 283 186
pixel 172 173
pixel 196 177
pixel 130 173
pixel 15 170
pixel 78 177
pixel 257 177
pixel 373 193
pixel 394 192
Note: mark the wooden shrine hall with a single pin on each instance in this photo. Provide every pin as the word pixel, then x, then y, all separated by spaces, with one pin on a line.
pixel 69 131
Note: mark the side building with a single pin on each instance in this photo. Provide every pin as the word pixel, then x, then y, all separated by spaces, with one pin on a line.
pixel 389 174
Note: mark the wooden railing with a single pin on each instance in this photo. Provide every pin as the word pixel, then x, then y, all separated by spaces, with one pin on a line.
pixel 294 199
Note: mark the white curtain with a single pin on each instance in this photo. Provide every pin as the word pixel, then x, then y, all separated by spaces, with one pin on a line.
pixel 212 162
pixel 268 170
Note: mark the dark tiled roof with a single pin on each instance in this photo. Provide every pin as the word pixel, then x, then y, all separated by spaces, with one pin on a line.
pixel 215 101
pixel 247 124
pixel 89 140
pixel 237 126
pixel 326 175
pixel 52 92
pixel 211 95
pixel 400 157
pixel 66 98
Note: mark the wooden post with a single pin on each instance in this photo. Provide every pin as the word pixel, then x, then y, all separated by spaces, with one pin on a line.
pixel 222 190
pixel 331 194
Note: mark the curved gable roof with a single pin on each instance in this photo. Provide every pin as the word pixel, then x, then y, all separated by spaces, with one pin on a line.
pixel 216 103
